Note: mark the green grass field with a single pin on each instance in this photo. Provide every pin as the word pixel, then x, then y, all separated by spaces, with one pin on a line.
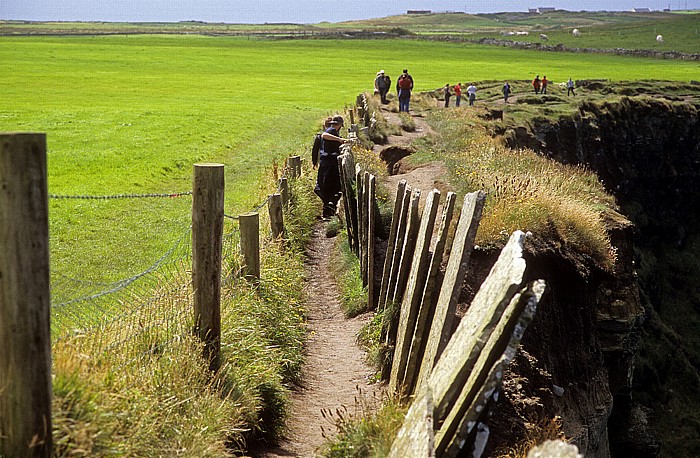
pixel 131 114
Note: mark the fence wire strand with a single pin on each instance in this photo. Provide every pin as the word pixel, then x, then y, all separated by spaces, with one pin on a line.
pixel 126 323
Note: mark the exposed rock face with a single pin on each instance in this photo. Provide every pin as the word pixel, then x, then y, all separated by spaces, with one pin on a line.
pixel 647 153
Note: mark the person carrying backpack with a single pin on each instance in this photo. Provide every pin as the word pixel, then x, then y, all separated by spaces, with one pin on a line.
pixel 316 145
pixel 448 94
pixel 404 86
pixel 328 178
pixel 536 84
pixel 506 92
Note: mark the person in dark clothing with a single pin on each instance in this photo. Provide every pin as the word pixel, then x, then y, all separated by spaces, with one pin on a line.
pixel 328 179
pixel 404 86
pixel 381 86
pixel 448 94
pixel 536 84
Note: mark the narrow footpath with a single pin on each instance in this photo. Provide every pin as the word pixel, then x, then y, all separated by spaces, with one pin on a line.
pixel 335 373
pixel 336 376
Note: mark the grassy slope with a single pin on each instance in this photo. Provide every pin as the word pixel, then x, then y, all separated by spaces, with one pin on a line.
pixel 131 114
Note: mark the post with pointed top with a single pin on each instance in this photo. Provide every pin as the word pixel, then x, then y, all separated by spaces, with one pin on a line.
pixel 25 334
pixel 207 233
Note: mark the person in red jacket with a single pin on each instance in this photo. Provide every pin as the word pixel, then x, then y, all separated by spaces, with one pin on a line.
pixel 545 81
pixel 536 84
pixel 458 93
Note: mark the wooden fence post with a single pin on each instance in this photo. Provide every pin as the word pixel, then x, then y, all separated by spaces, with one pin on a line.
pixel 401 381
pixel 371 201
pixel 396 216
pixel 207 233
pixel 25 334
pixel 284 191
pixel 274 207
pixel 250 244
pixel 462 246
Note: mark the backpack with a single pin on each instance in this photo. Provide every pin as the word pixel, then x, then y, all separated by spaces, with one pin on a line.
pixel 404 82
pixel 316 148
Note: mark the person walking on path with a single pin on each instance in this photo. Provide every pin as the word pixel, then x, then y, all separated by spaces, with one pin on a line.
pixel 570 87
pixel 471 94
pixel 404 86
pixel 506 92
pixel 328 178
pixel 387 83
pixel 536 83
pixel 448 94
pixel 380 86
pixel 458 94
pixel 545 81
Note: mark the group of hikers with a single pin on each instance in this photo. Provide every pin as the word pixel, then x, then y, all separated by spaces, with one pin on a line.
pixel 404 86
pixel 327 144
pixel 540 85
pixel 471 94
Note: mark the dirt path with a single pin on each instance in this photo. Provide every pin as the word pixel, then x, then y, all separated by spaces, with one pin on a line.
pixel 336 374
pixel 335 369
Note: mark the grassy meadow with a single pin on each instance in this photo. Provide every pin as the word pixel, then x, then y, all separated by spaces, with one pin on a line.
pixel 131 114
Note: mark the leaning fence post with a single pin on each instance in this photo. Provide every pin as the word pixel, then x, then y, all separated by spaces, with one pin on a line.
pixel 207 232
pixel 274 207
pixel 25 334
pixel 250 244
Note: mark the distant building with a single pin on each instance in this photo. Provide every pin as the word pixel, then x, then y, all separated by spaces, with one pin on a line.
pixel 541 9
pixel 418 12
pixel 641 10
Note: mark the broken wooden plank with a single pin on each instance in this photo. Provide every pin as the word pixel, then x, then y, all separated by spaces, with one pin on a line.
pixel 416 438
pixel 487 372
pixel 462 351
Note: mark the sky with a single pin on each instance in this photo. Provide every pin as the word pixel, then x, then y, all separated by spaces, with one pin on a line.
pixel 296 11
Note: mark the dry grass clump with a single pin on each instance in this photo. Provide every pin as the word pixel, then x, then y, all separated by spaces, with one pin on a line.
pixel 527 191
pixel 537 433
pixel 366 431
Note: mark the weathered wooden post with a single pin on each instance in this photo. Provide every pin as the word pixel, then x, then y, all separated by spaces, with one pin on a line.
pixel 371 185
pixel 274 207
pixel 411 302
pixel 400 189
pixel 250 244
pixel 207 232
pixel 284 191
pixel 25 334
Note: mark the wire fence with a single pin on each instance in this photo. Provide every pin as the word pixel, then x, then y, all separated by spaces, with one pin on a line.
pixel 130 320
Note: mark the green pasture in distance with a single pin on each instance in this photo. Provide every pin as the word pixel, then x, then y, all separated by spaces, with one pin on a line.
pixel 132 114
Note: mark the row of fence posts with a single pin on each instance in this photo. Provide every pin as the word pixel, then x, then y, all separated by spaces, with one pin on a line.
pixel 451 375
pixel 25 302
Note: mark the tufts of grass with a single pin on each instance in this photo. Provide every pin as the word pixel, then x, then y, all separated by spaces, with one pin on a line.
pixel 367 432
pixel 407 122
pixel 525 190
pixel 537 433
pixel 346 268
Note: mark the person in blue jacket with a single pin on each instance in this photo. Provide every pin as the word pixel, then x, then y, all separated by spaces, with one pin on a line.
pixel 328 179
